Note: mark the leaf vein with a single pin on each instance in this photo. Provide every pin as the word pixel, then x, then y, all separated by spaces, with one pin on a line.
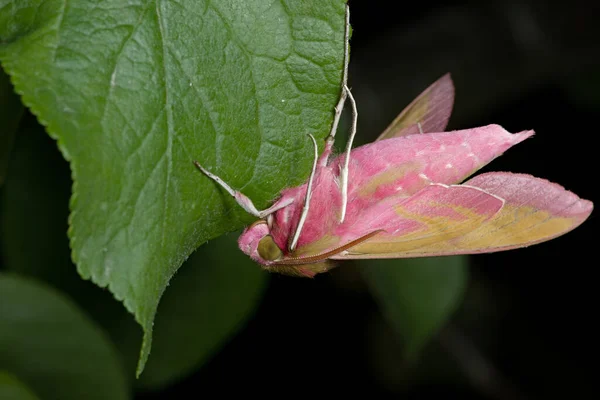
pixel 169 114
pixel 248 54
pixel 119 53
pixel 61 18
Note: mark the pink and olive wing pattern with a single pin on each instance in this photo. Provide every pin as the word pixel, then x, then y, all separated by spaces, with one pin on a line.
pixel 532 211
pixel 436 211
pixel 405 165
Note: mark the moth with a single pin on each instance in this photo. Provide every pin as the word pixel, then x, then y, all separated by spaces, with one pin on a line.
pixel 406 195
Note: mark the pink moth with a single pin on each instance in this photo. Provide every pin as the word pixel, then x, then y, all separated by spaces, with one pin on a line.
pixel 402 196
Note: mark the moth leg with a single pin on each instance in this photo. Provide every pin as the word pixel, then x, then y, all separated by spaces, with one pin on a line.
pixel 307 197
pixel 277 206
pixel 243 200
pixel 344 169
pixel 342 100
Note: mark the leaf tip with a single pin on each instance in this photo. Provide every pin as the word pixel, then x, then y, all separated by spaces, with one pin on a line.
pixel 144 351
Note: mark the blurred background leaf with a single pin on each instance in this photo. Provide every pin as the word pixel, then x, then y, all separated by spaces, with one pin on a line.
pixel 418 296
pixel 13 389
pixel 53 347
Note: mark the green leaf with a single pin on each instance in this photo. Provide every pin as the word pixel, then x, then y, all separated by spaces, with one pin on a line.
pixel 11 111
pixel 209 300
pixel 418 295
pixel 203 307
pixel 12 388
pixel 53 347
pixel 134 91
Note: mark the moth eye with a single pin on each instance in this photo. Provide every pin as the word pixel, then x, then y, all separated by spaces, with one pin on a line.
pixel 268 249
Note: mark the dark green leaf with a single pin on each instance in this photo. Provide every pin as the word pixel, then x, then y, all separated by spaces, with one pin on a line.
pixel 134 91
pixel 417 296
pixel 53 347
pixel 13 389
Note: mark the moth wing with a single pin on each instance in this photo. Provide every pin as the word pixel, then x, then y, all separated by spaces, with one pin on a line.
pixel 433 211
pixel 436 213
pixel 432 109
pixel 532 210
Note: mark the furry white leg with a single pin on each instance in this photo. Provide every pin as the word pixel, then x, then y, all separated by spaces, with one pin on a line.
pixel 306 198
pixel 344 170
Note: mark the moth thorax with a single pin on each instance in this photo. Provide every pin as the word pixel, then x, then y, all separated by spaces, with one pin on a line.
pixel 268 249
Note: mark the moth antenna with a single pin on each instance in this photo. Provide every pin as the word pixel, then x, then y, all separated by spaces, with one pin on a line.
pixel 420 128
pixel 243 200
pixel 344 170
pixel 340 105
pixel 307 198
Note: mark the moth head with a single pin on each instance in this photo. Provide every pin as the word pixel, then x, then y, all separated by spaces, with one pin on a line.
pixel 256 241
